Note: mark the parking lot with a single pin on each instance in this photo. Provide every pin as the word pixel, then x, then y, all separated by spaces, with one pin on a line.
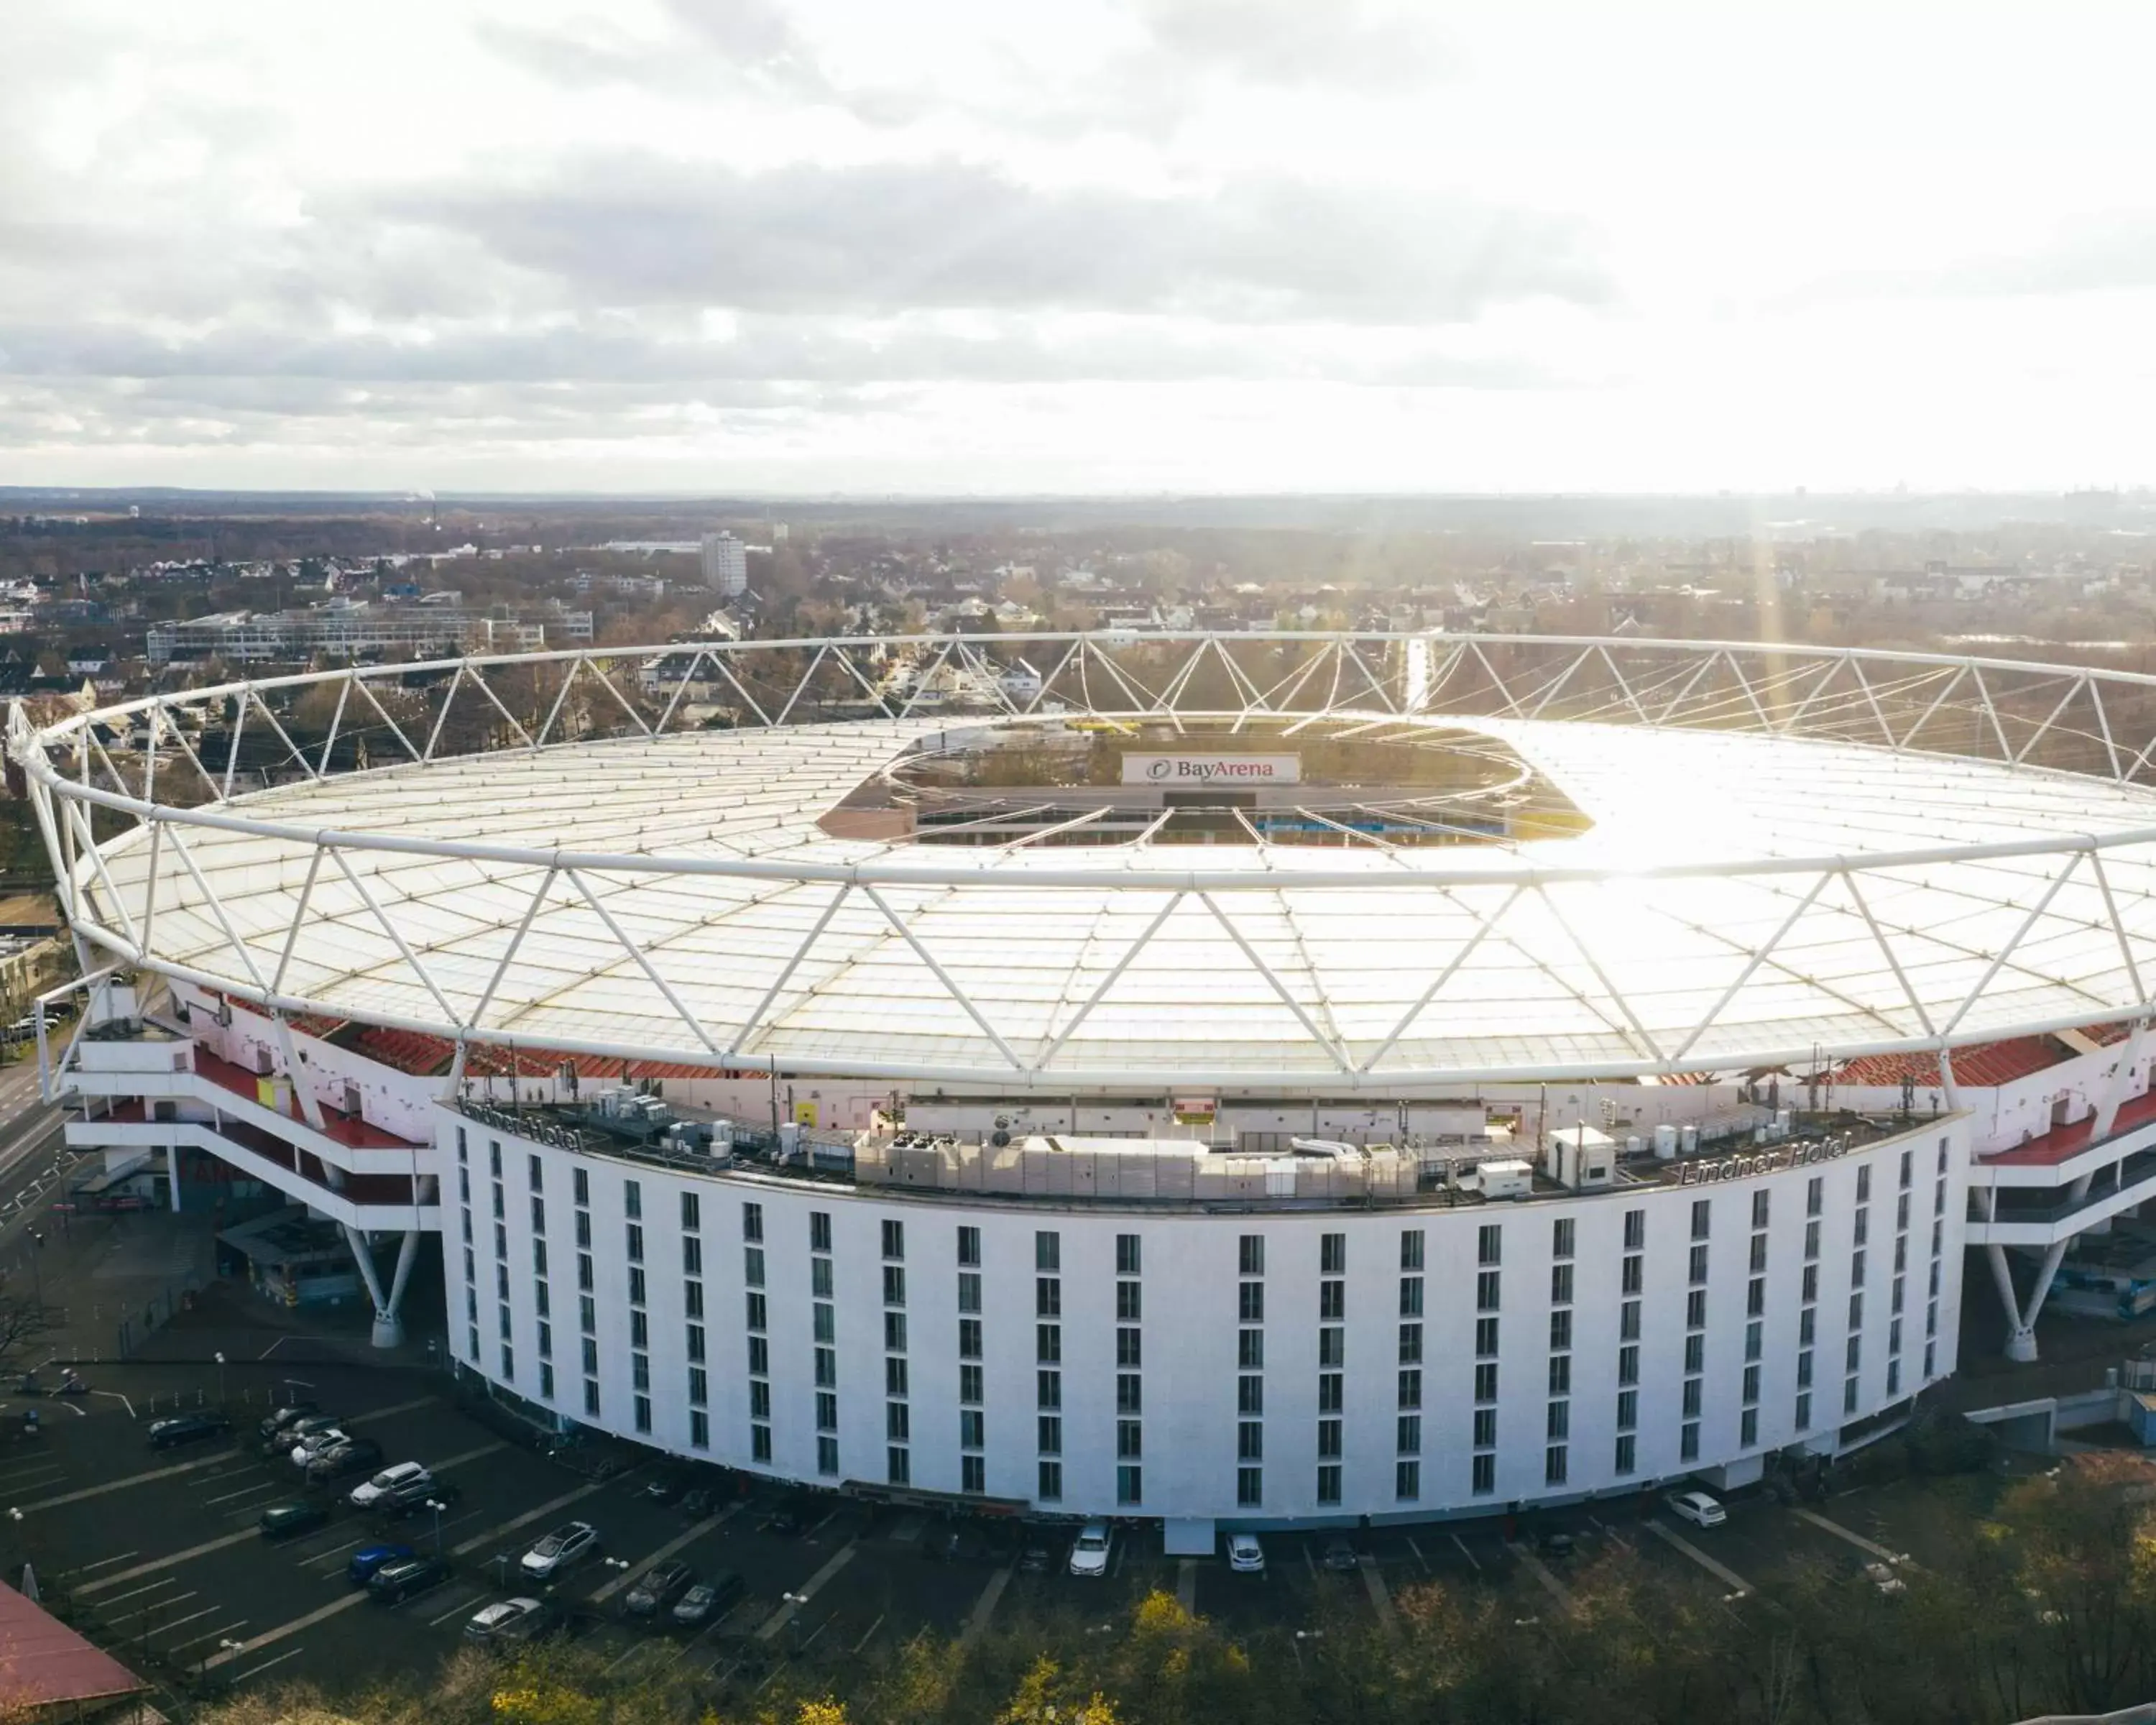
pixel 160 1551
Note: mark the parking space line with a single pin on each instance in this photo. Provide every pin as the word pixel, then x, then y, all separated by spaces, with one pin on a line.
pixel 1381 1597
pixel 148 1606
pixel 807 1591
pixel 600 1595
pixel 1853 1536
pixel 155 1564
pixel 133 1478
pixel 1721 1571
pixel 100 1563
pixel 1419 1558
pixel 282 1631
pixel 1540 1571
pixel 267 1663
pixel 527 1518
pixel 467 1455
pixel 984 1608
pixel 1186 1583
pixel 192 1617
pixel 334 1551
pixel 1467 1554
pixel 137 1592
pixel 243 1491
pixel 236 1623
pixel 463 1604
pixel 869 1634
pixel 416 1401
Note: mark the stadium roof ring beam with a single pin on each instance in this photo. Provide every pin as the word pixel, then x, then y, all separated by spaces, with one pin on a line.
pixel 1784 853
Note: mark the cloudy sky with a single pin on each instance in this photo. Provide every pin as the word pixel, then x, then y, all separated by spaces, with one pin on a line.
pixel 1076 245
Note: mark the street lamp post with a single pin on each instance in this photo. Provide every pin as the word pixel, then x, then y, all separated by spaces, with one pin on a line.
pixel 794 1623
pixel 436 1505
pixel 220 1380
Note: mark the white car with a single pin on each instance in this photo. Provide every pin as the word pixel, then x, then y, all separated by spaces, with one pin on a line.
pixel 315 1443
pixel 1245 1556
pixel 1089 1555
pixel 561 1551
pixel 1882 1576
pixel 1697 1508
pixel 393 1485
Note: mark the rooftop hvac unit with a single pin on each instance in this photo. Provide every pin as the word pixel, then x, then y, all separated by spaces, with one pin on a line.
pixel 350 1103
pixel 1665 1142
pixel 259 1062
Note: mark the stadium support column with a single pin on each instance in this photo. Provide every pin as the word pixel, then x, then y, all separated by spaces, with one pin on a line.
pixel 2020 1318
pixel 2118 1083
pixel 310 1110
pixel 388 1319
pixel 385 1321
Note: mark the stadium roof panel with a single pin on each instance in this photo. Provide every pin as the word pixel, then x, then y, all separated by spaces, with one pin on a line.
pixel 1743 896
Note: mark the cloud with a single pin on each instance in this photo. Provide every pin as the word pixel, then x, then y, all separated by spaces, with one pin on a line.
pixel 878 238
pixel 1293 44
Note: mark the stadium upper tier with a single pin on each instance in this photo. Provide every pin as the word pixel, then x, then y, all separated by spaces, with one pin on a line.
pixel 1743 888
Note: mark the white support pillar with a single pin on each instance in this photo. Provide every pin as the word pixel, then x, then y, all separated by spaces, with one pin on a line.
pixel 2021 1321
pixel 310 1110
pixel 2115 1087
pixel 388 1318
pixel 172 1171
pixel 364 1257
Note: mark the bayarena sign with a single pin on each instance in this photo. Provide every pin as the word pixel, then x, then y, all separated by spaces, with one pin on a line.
pixel 1188 771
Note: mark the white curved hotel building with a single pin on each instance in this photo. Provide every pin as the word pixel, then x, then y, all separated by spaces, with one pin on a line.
pixel 1546 1069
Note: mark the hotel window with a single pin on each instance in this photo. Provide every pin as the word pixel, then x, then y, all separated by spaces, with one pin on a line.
pixel 1487 1290
pixel 1129 1348
pixel 1804 1411
pixel 898 1466
pixel 1130 1393
pixel 1333 1255
pixel 1048 1296
pixel 969 1291
pixel 1701 1217
pixel 894 1331
pixel 1328 1483
pixel 820 1230
pixel 1129 1304
pixel 1127 1255
pixel 1485 1381
pixel 1486 1428
pixel 1130 1484
pixel 974 1474
pixel 1635 1230
pixel 1332 1346
pixel 1250 1254
pixel 1249 1395
pixel 1251 1302
pixel 969 1247
pixel 1048 1344
pixel 692 1212
pixel 641 1406
pixel 1748 1428
pixel 1048 1252
pixel 1250 1350
pixel 752 1222
pixel 894 1239
pixel 1048 1389
pixel 969 1338
pixel 759 1444
pixel 1330 1392
pixel 1332 1301
pixel 1250 1487
pixel 1483 1479
pixel 1049 1485
pixel 1410 1389
pixel 820 1278
pixel 1048 1434
pixel 973 1427
pixel 1628 1410
pixel 1688 1441
pixel 1553 1465
pixel 1407 1434
pixel 1627 1453
pixel 1411 1249
pixel 1490 1244
pixel 826 1456
pixel 970 1383
pixel 1560 1374
pixel 1406 1481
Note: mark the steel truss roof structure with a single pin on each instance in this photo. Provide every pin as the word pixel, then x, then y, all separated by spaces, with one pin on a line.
pixel 1794 851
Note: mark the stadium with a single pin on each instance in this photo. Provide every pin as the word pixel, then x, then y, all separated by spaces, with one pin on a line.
pixel 1226 1080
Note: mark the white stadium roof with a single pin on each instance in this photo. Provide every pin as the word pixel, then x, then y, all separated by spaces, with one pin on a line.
pixel 1743 896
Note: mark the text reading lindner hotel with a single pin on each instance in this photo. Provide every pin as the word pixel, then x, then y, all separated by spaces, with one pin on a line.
pixel 1470 1073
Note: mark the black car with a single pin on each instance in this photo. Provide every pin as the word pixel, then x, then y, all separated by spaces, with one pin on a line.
pixel 275 1421
pixel 283 1520
pixel 706 1600
pixel 442 1492
pixel 793 1515
pixel 1341 1556
pixel 187 1429
pixel 358 1456
pixel 1552 1543
pixel 1033 1560
pixel 395 1583
pixel 658 1590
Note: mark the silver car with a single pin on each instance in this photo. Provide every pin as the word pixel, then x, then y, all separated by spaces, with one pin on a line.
pixel 561 1551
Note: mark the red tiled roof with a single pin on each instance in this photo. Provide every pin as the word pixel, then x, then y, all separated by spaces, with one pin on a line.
pixel 416 1052
pixel 45 1664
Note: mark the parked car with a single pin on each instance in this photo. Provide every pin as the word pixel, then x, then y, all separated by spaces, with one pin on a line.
pixel 369 1558
pixel 1089 1555
pixel 316 1442
pixel 278 1418
pixel 1245 1556
pixel 1554 1543
pixel 1883 1576
pixel 507 1622
pixel 1033 1560
pixel 698 1504
pixel 392 1483
pixel 793 1515
pixel 395 1583
pixel 659 1588
pixel 1341 1556
pixel 412 1501
pixel 340 1461
pixel 187 1429
pixel 561 1551
pixel 706 1600
pixel 297 1431
pixel 282 1521
pixel 1697 1508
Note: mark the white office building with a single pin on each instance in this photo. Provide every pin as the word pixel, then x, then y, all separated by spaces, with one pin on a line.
pixel 725 564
